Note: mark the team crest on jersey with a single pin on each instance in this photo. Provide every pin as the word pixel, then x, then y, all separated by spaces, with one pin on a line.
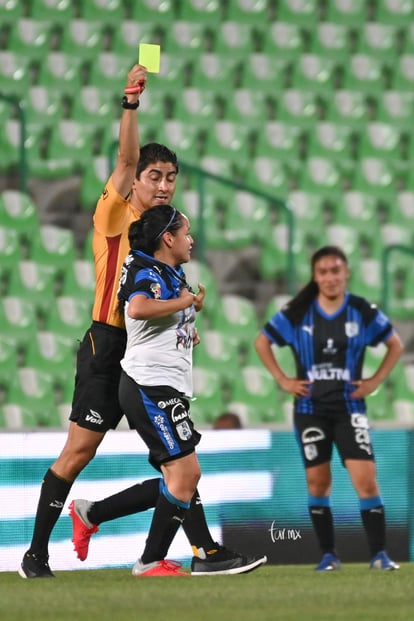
pixel 351 328
pixel 155 289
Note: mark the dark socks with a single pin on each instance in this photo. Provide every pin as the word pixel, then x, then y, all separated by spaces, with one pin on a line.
pixel 53 495
pixel 166 521
pixel 322 521
pixel 195 526
pixel 135 499
pixel 374 524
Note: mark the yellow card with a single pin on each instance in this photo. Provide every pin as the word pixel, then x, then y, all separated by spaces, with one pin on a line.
pixel 149 57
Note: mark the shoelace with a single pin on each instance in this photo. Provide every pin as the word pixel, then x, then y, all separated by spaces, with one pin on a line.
pixel 171 565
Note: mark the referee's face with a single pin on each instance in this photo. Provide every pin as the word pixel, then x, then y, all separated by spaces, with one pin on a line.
pixel 156 185
pixel 331 275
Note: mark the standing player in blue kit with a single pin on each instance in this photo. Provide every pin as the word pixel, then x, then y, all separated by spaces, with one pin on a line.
pixel 328 330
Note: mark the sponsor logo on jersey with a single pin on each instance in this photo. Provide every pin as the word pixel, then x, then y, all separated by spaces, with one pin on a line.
pixel 329 349
pixel 159 420
pixel 163 404
pixel 178 413
pixel 328 372
pixel 351 329
pixel 94 418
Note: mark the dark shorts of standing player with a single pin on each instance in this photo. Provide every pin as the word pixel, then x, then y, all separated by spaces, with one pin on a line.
pixel 161 416
pixel 95 404
pixel 317 434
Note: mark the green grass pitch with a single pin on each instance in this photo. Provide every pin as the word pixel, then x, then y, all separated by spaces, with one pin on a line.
pixel 271 593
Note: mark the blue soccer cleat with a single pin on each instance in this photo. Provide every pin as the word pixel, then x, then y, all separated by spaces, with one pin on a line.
pixel 383 561
pixel 329 562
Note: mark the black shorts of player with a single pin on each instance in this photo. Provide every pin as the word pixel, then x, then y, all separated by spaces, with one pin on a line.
pixel 161 416
pixel 317 433
pixel 95 403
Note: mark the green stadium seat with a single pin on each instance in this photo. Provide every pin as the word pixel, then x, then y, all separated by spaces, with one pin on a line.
pixel 218 351
pixel 130 33
pixel 408 38
pixel 258 389
pixel 64 71
pixel 79 279
pixel 273 251
pixel 53 354
pixel 363 72
pixel 347 12
pixel 403 73
pixel 147 10
pixel 71 144
pixel 69 316
pixel 403 208
pixel 302 12
pixel 214 71
pixel 208 395
pixel 93 181
pixel 320 175
pixel 10 254
pixel 262 72
pixel 379 40
pixel 44 106
pixel 331 40
pixel 8 361
pixel 10 11
pixel 87 251
pixel 84 38
pixel 273 306
pixel 250 213
pixel 111 11
pixel 333 141
pixel 10 141
pixel 19 211
pixel 379 405
pixel 314 72
pixel 236 315
pixel 308 209
pixel 247 11
pixel 54 246
pixel 92 105
pixel 194 103
pixel 34 281
pixel 183 137
pixel 359 209
pixel 226 139
pixel 298 106
pixel 34 390
pixel 375 175
pixel 245 105
pixel 280 139
pixel 57 11
pixel 18 417
pixel 198 272
pixel 269 175
pixel 189 38
pixel 396 108
pixel 395 12
pixel 175 72
pixel 14 73
pixel 283 40
pixel 380 140
pixel 201 11
pixel 31 37
pixel 18 320
pixel 348 107
pixel 366 279
pixel 234 37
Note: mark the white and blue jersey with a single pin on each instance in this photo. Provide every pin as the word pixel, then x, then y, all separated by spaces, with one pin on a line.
pixel 159 350
pixel 329 350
